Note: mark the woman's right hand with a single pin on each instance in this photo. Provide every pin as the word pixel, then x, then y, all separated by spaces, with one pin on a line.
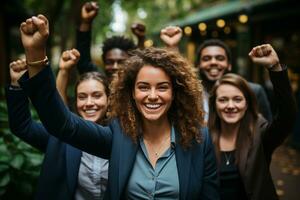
pixel 171 36
pixel 89 11
pixel 34 34
pixel 69 59
pixel 16 70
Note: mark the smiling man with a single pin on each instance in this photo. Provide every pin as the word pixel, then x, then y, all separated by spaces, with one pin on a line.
pixel 213 60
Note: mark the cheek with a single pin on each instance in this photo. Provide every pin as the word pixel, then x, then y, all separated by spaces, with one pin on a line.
pixel 79 104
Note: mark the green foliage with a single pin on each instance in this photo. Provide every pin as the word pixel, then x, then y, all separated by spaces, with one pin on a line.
pixel 19 163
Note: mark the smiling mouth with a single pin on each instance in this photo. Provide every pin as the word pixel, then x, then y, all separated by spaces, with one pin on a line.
pixel 152 106
pixel 90 112
pixel 214 72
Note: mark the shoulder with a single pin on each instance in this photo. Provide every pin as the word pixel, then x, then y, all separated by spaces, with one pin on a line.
pixel 255 86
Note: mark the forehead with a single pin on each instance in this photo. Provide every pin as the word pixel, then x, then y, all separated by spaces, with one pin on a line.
pixel 90 85
pixel 116 54
pixel 152 74
pixel 212 51
pixel 227 90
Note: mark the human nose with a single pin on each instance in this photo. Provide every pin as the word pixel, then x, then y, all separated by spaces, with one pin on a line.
pixel 90 101
pixel 230 104
pixel 213 60
pixel 115 65
pixel 152 95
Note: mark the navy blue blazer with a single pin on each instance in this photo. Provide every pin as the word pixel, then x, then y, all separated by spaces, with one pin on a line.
pixel 59 172
pixel 197 168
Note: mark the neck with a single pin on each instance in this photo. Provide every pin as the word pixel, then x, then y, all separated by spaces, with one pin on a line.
pixel 207 84
pixel 155 131
pixel 229 130
pixel 228 136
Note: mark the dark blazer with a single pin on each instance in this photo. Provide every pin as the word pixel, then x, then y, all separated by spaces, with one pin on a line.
pixel 59 172
pixel 262 101
pixel 255 162
pixel 197 170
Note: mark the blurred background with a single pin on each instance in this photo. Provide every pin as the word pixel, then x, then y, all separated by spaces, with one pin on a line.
pixel 242 24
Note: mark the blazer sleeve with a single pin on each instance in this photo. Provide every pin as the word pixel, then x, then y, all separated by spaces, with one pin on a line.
pixel 264 104
pixel 60 121
pixel 262 101
pixel 83 44
pixel 284 119
pixel 21 123
pixel 210 187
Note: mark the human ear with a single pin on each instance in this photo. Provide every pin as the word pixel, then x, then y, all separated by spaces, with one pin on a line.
pixel 229 67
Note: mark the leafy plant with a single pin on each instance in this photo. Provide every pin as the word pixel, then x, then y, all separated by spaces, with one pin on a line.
pixel 19 163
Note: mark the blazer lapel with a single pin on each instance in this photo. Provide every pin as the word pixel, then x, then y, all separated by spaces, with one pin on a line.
pixel 73 158
pixel 183 160
pixel 128 151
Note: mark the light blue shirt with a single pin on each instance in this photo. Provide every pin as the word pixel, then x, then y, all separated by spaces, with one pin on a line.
pixel 92 178
pixel 157 183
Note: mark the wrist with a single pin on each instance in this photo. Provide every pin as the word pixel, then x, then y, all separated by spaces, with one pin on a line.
pixel 40 62
pixel 85 26
pixel 64 69
pixel 275 67
pixel 14 83
pixel 14 87
pixel 33 55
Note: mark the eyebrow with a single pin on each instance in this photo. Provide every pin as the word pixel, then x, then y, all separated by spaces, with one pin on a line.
pixel 160 83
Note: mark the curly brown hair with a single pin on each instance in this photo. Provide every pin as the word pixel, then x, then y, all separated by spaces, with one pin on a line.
pixel 186 112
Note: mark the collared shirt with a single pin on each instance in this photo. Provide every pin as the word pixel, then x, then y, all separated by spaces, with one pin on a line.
pixel 92 178
pixel 157 183
pixel 205 105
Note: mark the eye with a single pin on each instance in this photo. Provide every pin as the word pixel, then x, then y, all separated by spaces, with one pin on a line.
pixel 121 61
pixel 81 97
pixel 220 58
pixel 163 88
pixel 143 87
pixel 222 100
pixel 238 99
pixel 109 62
pixel 205 58
pixel 97 95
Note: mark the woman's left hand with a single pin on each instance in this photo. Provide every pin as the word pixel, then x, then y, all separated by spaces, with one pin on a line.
pixel 266 56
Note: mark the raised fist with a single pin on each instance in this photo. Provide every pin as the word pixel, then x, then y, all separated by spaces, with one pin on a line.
pixel 265 55
pixel 34 32
pixel 138 29
pixel 171 35
pixel 16 70
pixel 69 59
pixel 89 11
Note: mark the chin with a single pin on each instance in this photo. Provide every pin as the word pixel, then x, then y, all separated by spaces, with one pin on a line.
pixel 151 117
pixel 93 119
pixel 231 121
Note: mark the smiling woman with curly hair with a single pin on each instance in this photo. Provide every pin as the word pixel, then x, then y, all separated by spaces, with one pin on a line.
pixel 186 112
pixel 156 143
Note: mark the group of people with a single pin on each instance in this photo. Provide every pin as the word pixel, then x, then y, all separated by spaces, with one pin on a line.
pixel 157 132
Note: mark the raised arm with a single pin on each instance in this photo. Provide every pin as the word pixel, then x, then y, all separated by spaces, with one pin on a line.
pixel 39 85
pixel 19 117
pixel 283 122
pixel 83 37
pixel 139 30
pixel 171 37
pixel 68 60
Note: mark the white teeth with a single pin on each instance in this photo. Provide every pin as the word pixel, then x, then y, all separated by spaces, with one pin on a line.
pixel 152 106
pixel 90 111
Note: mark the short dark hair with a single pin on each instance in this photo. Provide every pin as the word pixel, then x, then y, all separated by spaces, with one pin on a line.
pixel 118 42
pixel 212 42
